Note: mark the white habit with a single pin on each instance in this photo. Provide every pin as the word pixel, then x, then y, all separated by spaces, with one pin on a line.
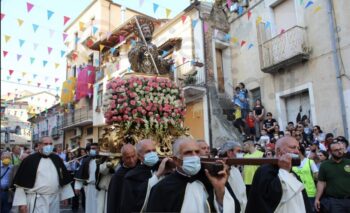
pixel 46 194
pixel 103 185
pixel 90 189
pixel 196 196
pixel 237 184
pixel 292 197
pixel 151 182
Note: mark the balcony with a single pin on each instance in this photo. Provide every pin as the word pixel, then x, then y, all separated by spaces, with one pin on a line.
pixel 78 117
pixel 55 133
pixel 286 49
pixel 193 84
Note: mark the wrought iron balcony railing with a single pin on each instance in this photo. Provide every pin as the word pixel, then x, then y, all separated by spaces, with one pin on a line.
pixel 285 49
pixel 77 117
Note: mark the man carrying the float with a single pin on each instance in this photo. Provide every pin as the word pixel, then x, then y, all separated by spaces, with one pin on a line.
pixel 183 190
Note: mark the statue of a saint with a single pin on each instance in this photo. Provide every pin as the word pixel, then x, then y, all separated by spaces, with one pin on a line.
pixel 140 55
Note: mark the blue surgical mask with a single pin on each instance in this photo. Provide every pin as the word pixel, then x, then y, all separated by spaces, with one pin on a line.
pixel 150 159
pixel 47 149
pixel 191 165
pixel 93 152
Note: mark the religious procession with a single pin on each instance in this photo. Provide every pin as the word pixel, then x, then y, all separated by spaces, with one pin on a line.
pixel 227 106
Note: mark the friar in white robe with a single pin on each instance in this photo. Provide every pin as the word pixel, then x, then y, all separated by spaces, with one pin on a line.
pixel 86 177
pixel 275 188
pixel 190 189
pixel 104 172
pixel 42 181
pixel 230 149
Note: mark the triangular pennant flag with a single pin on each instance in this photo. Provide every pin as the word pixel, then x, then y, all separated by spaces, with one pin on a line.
pixel 82 26
pixel 11 72
pixel 318 8
pixel 194 23
pixel 155 7
pixel 2 16
pixel 47 86
pixel 242 43
pixel 65 20
pixel 21 42
pixel 56 65
pixel 227 37
pixel 205 27
pixel 49 49
pixel 49 14
pixel 234 39
pixel 57 88
pixel 5 53
pixel 35 27
pixel 23 74
pixel 112 50
pixel 89 72
pixel 240 10
pixel 35 45
pixel 35 75
pixel 250 46
pixel 62 53
pixel 18 79
pixel 258 20
pixel 65 36
pixel 165 53
pixel 308 4
pixel 77 40
pixel 38 86
pixel 19 57
pixel 183 18
pixel 167 12
pixel 44 63
pixel 282 31
pixel 249 14
pixel 141 2
pixel 32 60
pixel 229 3
pixel 267 24
pixel 29 7
pixel 20 22
pixel 94 29
pixel 7 38
pixel 56 79
pixel 51 32
pixel 101 47
pixel 133 42
pixel 8 77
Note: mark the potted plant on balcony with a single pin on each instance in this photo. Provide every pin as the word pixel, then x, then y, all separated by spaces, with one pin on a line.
pixel 190 79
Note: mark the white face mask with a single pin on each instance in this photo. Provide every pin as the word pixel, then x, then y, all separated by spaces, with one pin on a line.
pixel 191 165
pixel 239 155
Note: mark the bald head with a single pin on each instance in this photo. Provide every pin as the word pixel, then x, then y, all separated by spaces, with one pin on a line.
pixel 287 144
pixel 129 156
pixel 143 147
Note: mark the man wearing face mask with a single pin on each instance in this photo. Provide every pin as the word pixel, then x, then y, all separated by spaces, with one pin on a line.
pixel 41 181
pixel 276 188
pixel 85 176
pixel 139 181
pixel 184 191
pixel 232 149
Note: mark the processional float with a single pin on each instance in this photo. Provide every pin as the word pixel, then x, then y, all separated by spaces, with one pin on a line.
pixel 146 103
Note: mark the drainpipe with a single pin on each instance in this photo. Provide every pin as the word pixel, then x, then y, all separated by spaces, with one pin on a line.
pixel 206 76
pixel 337 66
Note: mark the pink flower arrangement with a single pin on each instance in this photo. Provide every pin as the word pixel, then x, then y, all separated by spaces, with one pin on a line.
pixel 148 102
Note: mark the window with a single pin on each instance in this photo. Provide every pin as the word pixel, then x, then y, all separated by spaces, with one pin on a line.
pixel 89 131
pixel 255 94
pixel 99 95
pixel 285 17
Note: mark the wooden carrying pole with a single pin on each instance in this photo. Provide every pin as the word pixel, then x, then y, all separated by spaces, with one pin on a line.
pixel 249 161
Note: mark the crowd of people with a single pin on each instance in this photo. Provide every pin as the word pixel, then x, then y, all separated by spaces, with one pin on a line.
pixel 140 181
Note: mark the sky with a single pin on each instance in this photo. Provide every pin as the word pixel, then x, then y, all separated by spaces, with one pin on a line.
pixel 34 57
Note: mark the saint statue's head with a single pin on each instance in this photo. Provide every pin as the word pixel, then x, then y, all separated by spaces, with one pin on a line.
pixel 146 26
